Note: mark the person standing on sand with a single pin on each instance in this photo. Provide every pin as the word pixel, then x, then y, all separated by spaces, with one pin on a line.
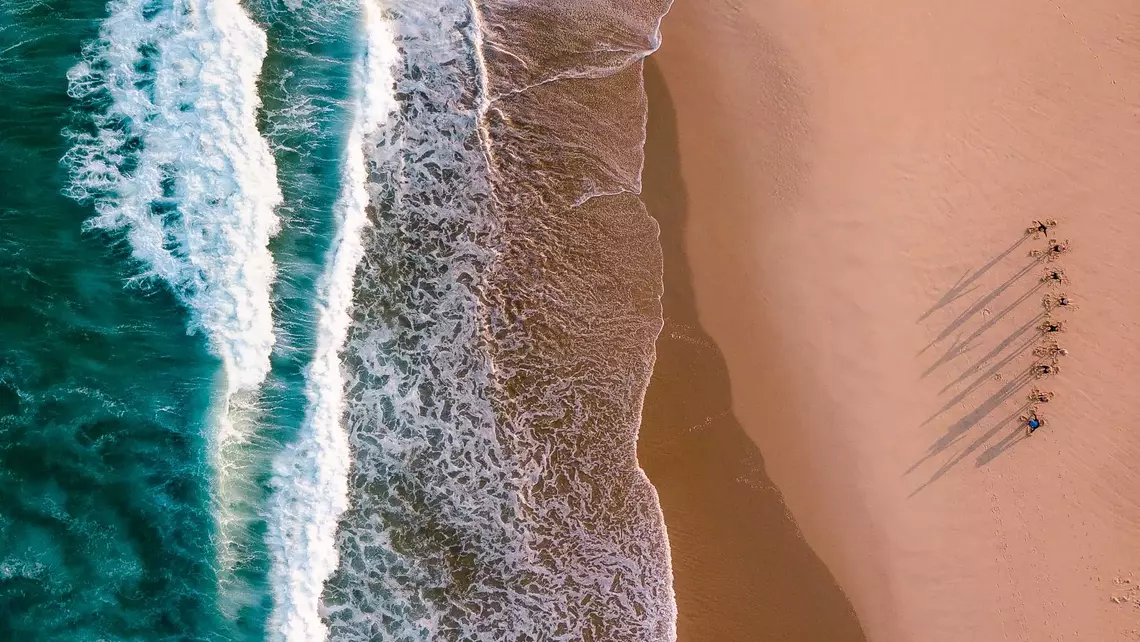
pixel 1061 300
pixel 1041 227
pixel 1054 276
pixel 1032 421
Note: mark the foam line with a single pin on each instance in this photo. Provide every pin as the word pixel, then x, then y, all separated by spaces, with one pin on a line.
pixel 176 162
pixel 310 483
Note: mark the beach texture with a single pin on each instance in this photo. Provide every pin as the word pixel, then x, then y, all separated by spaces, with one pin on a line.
pixel 334 319
pixel 857 182
pixel 740 564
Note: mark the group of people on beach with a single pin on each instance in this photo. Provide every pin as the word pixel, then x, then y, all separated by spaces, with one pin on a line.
pixel 1048 353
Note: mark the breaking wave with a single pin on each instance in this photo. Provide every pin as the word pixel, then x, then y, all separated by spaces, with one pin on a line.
pixel 174 159
pixel 166 147
pixel 310 483
pixel 465 468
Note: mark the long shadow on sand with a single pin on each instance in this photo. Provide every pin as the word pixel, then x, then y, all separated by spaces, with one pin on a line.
pixel 1009 423
pixel 957 431
pixel 994 369
pixel 965 285
pixel 984 369
pixel 742 571
pixel 962 346
pixel 1011 439
pixel 980 305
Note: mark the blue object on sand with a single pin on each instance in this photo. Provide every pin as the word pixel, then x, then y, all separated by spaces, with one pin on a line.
pixel 1034 424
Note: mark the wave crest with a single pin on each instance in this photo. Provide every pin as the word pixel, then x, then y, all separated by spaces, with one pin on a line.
pixel 169 153
pixel 311 475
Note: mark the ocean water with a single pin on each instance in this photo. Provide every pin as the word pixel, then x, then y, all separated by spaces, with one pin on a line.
pixel 105 529
pixel 326 320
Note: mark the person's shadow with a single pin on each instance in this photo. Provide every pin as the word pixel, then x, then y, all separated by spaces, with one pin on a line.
pixel 742 571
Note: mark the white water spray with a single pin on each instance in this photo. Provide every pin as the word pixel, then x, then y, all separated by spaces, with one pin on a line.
pixel 174 161
pixel 310 476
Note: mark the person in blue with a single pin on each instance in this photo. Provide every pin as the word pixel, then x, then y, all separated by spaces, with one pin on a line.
pixel 1032 421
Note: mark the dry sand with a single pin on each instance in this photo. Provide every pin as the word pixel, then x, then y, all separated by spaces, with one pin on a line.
pixel 855 179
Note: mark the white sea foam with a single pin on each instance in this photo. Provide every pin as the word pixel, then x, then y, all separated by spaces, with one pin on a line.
pixel 175 160
pixel 310 483
pixel 494 491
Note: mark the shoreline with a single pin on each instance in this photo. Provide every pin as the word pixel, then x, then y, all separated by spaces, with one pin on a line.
pixel 740 564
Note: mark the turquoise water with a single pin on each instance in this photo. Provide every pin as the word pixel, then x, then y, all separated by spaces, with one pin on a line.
pixel 107 487
pixel 104 482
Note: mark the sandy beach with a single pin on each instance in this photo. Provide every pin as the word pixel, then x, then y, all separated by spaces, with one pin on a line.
pixel 740 565
pixel 843 193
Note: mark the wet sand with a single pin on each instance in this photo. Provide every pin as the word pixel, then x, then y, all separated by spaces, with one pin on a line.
pixel 740 565
pixel 847 195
